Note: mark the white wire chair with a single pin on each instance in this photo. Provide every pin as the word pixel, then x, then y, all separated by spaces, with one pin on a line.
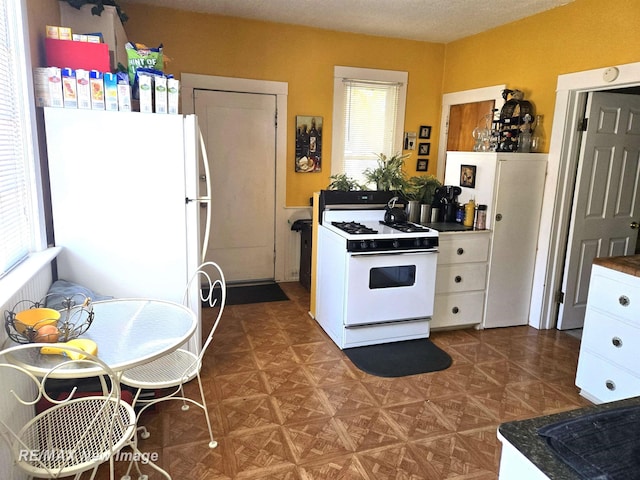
pixel 78 431
pixel 173 370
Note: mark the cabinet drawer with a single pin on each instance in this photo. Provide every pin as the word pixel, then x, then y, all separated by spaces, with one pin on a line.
pixel 614 292
pixel 603 381
pixel 462 248
pixel 616 341
pixel 455 309
pixel 461 278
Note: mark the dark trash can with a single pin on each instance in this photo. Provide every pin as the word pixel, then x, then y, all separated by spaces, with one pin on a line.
pixel 306 240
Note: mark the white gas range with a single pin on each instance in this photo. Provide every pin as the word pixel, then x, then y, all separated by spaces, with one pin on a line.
pixel 375 282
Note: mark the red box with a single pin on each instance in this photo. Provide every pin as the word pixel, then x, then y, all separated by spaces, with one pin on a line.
pixel 70 54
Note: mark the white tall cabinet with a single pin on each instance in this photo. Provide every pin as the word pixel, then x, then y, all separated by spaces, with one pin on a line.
pixel 511 185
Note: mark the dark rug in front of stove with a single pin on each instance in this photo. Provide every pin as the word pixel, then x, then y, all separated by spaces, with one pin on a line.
pixel 245 294
pixel 399 359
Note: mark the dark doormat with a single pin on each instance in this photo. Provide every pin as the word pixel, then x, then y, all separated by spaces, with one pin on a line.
pixel 399 359
pixel 269 292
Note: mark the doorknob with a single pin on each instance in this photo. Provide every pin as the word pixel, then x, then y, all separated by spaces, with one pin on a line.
pixel 635 225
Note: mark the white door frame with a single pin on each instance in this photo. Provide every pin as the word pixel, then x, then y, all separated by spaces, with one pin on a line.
pixel 458 98
pixel 190 81
pixel 571 94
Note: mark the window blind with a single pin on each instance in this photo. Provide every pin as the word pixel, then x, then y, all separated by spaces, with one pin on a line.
pixel 370 118
pixel 15 183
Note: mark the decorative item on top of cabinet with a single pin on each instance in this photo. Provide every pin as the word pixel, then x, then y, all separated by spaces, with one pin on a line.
pixel 608 367
pixel 461 279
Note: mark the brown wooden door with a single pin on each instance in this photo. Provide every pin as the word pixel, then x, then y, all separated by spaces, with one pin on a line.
pixel 463 119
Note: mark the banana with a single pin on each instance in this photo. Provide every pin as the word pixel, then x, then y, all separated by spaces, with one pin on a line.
pixel 83 344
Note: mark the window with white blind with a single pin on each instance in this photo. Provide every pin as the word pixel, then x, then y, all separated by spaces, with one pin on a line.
pixel 20 213
pixel 368 118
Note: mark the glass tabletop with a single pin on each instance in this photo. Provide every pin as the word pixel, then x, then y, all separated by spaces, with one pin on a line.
pixel 128 332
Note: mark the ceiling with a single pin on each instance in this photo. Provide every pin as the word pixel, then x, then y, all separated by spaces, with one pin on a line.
pixel 439 21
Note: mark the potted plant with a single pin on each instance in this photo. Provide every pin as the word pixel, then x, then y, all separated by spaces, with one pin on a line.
pixel 389 174
pixel 422 188
pixel 98 7
pixel 343 182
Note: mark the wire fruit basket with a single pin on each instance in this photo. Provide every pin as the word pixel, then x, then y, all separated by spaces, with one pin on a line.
pixel 29 321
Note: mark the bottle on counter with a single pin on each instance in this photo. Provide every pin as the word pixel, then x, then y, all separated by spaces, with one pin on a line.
pixel 481 217
pixel 460 214
pixel 469 213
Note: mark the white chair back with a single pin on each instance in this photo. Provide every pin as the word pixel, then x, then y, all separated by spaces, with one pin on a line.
pixel 76 431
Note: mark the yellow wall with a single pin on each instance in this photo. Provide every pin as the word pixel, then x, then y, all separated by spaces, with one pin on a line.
pixel 303 57
pixel 530 54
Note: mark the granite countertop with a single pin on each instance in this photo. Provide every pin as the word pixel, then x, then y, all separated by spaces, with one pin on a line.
pixel 523 435
pixel 628 264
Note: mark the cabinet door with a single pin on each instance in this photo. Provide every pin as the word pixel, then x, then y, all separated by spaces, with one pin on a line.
pixel 519 188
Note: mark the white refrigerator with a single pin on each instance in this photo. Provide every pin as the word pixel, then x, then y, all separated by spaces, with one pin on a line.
pixel 126 194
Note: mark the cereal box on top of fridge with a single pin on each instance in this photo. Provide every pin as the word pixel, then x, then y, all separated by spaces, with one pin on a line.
pixel 173 95
pixel 110 91
pixel 160 88
pixel 84 88
pixel 47 82
pixel 69 88
pixel 97 90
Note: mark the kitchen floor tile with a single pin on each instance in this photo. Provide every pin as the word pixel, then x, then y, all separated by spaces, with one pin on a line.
pixel 286 403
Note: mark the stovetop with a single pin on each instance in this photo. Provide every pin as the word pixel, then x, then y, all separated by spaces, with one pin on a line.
pixel 365 231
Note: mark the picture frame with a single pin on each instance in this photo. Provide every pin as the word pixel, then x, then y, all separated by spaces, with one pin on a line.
pixel 409 141
pixel 425 132
pixel 308 144
pixel 468 176
pixel 424 148
pixel 422 165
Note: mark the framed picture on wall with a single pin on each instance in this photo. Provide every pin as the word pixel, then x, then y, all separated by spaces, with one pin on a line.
pixel 425 132
pixel 424 148
pixel 423 165
pixel 308 143
pixel 468 176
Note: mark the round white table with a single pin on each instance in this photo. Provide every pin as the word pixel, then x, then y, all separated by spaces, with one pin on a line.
pixel 128 332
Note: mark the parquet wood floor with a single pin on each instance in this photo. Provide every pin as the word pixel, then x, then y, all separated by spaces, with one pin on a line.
pixel 286 403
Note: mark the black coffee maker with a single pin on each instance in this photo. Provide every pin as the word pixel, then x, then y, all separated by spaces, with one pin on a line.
pixel 446 201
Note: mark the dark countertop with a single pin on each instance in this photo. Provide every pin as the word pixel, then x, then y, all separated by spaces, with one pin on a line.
pixel 522 434
pixel 629 264
pixel 449 227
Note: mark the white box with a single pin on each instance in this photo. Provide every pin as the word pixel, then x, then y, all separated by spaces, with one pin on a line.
pixel 84 89
pixel 145 84
pixel 108 23
pixel 160 88
pixel 47 82
pixel 173 95
pixel 110 92
pixel 69 88
pixel 124 97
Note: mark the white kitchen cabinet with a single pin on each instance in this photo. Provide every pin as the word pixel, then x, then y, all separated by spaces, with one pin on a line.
pixel 511 185
pixel 608 367
pixel 461 279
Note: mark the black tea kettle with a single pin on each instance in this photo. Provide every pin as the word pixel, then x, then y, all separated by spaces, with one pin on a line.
pixel 394 214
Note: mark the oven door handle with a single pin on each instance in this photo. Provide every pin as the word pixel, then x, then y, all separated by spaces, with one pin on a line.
pixel 387 253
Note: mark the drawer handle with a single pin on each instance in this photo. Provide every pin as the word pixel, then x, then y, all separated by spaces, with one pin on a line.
pixel 458 279
pixel 460 251
pixel 455 310
pixel 624 300
pixel 610 385
pixel 617 342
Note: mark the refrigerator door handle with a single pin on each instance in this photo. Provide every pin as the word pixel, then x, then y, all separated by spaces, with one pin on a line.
pixel 207 197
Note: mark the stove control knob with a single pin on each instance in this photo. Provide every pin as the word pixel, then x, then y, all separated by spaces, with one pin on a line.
pixel 417 242
pixel 373 244
pixel 363 244
pixel 396 244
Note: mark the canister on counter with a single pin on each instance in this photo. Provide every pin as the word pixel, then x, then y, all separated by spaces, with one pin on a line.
pixel 469 213
pixel 481 217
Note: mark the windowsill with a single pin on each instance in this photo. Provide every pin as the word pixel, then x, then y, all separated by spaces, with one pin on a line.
pixel 23 273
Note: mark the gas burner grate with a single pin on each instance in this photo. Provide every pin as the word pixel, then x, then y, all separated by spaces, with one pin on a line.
pixel 353 228
pixel 406 227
